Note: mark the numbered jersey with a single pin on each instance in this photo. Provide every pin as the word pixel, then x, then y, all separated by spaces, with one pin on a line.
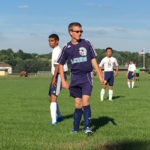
pixel 108 63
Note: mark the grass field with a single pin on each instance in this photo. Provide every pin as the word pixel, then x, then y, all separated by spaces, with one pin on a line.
pixel 123 124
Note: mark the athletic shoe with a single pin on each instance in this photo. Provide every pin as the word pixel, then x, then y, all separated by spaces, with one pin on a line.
pixel 88 131
pixel 74 132
pixel 59 118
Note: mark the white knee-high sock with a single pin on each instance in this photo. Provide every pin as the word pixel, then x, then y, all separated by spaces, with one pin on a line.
pixel 128 84
pixel 132 84
pixel 110 94
pixel 58 110
pixel 102 93
pixel 53 110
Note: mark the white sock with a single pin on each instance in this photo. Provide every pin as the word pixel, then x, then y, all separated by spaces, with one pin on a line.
pixel 128 84
pixel 132 84
pixel 53 110
pixel 110 94
pixel 102 93
pixel 58 110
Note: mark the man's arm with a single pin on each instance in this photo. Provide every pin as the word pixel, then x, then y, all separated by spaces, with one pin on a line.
pixel 55 74
pixel 98 70
pixel 64 82
pixel 116 71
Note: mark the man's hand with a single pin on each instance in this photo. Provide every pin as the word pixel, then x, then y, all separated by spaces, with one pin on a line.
pixel 65 85
pixel 53 82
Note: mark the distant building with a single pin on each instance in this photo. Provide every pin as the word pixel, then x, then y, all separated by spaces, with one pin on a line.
pixel 5 69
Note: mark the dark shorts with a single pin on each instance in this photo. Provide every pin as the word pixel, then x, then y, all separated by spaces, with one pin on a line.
pixel 109 77
pixel 130 75
pixel 137 74
pixel 55 90
pixel 81 84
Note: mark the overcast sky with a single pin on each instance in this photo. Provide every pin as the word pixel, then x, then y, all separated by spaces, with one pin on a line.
pixel 121 24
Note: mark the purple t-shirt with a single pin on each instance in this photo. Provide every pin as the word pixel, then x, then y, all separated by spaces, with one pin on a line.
pixel 79 56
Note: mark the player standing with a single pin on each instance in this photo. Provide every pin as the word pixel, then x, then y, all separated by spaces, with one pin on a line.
pixel 131 73
pixel 137 73
pixel 55 85
pixel 108 62
pixel 81 57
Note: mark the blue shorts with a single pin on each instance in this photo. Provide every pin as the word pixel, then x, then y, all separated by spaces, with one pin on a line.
pixel 130 75
pixel 109 77
pixel 81 84
pixel 55 90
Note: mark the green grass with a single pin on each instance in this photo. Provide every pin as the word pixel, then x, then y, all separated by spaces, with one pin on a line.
pixel 119 125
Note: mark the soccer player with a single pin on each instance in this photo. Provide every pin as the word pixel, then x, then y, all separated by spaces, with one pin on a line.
pixel 131 73
pixel 108 62
pixel 55 85
pixel 81 57
pixel 137 73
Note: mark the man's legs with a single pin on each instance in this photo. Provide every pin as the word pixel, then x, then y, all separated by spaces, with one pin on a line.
pixel 86 113
pixel 53 108
pixel 102 93
pixel 77 114
pixel 110 93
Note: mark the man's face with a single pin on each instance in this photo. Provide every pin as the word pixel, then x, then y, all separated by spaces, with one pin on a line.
pixel 76 32
pixel 109 53
pixel 52 42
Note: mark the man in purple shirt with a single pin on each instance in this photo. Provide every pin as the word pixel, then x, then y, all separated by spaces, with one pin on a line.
pixel 81 57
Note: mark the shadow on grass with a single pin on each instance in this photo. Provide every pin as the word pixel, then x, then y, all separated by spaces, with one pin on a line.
pixel 96 123
pixel 68 116
pixel 116 97
pixel 124 145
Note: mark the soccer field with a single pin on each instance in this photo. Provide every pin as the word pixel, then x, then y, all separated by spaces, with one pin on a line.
pixel 123 124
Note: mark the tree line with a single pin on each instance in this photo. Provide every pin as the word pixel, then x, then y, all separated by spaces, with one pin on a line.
pixel 33 62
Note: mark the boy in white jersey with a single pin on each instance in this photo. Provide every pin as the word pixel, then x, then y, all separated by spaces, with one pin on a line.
pixel 108 62
pixel 131 73
pixel 55 86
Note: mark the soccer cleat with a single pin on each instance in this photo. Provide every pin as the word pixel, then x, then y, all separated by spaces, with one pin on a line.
pixel 110 100
pixel 88 131
pixel 74 132
pixel 59 118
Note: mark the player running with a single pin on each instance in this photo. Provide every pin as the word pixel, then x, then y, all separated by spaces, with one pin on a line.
pixel 81 57
pixel 131 73
pixel 55 85
pixel 108 63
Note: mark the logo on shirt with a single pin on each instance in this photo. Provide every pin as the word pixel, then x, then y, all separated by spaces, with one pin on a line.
pixel 82 51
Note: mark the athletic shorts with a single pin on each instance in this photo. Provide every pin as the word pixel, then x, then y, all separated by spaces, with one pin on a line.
pixel 81 84
pixel 137 74
pixel 130 75
pixel 55 90
pixel 109 77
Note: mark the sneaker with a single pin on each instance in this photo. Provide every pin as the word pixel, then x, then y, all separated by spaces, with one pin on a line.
pixel 88 131
pixel 59 118
pixel 74 132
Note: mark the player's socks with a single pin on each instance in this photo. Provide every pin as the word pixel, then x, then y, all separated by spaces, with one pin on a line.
pixel 53 110
pixel 102 94
pixel 87 116
pixel 110 95
pixel 132 84
pixel 128 84
pixel 77 118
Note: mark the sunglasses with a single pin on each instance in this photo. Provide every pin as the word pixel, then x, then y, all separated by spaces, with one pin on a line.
pixel 80 31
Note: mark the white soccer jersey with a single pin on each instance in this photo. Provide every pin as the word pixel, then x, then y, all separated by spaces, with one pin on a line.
pixel 55 55
pixel 132 67
pixel 108 63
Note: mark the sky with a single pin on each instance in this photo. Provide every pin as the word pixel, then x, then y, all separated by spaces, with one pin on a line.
pixel 123 25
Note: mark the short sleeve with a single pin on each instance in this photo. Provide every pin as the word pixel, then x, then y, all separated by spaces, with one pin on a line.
pixel 116 63
pixel 92 50
pixel 101 63
pixel 62 57
pixel 56 55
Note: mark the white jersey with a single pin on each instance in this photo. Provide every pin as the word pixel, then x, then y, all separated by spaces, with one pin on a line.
pixel 55 55
pixel 131 67
pixel 108 63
